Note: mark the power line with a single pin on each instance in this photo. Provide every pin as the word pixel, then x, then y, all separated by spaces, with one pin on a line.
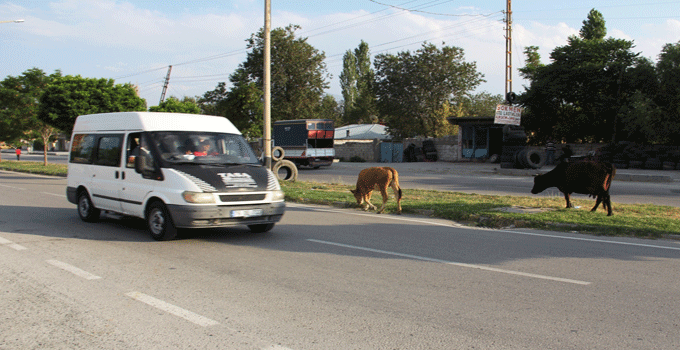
pixel 426 12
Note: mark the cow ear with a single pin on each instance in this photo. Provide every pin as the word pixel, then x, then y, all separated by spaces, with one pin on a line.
pixel 353 191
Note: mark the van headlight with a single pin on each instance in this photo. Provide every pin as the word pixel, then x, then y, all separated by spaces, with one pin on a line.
pixel 198 197
pixel 278 195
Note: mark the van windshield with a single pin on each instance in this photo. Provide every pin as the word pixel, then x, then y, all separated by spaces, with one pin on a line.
pixel 203 148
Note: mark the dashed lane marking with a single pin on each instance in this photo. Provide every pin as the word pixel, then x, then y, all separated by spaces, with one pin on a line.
pixel 11 244
pixel 172 309
pixel 74 270
pixel 480 267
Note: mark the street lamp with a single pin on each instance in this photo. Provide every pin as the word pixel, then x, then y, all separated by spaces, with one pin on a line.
pixel 14 21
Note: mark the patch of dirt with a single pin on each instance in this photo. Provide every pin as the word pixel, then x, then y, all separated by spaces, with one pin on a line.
pixel 523 210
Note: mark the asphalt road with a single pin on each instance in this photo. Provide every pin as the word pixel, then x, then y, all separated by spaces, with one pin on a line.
pixel 323 278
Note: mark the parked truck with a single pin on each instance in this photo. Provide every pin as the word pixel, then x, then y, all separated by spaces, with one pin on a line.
pixel 305 142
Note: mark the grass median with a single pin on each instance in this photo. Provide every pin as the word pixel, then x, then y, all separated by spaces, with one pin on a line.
pixel 548 213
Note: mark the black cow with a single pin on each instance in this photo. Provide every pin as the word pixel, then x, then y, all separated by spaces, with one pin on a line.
pixel 593 178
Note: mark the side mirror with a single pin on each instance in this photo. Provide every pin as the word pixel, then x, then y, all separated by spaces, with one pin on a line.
pixel 141 165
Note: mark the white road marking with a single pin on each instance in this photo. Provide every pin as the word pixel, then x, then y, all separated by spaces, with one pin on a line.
pixel 592 240
pixel 11 244
pixel 172 309
pixel 13 187
pixel 72 269
pixel 455 224
pixel 480 267
pixel 54 194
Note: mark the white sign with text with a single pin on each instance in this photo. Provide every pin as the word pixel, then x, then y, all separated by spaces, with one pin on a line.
pixel 508 115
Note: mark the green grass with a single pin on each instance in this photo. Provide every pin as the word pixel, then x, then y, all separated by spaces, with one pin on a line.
pixel 34 167
pixel 639 220
pixel 633 220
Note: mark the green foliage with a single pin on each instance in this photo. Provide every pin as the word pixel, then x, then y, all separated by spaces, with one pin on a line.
pixel 298 73
pixel 578 97
pixel 599 90
pixel 330 109
pixel 174 105
pixel 357 80
pixel 668 72
pixel 69 96
pixel 594 26
pixel 19 98
pixel 412 87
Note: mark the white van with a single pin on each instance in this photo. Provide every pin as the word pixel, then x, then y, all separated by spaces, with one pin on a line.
pixel 173 170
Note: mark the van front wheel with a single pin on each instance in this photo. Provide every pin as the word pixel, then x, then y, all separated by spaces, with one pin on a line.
pixel 160 223
pixel 86 210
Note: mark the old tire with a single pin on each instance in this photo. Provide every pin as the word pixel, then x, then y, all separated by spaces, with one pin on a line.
pixel 86 209
pixel 285 170
pixel 159 222
pixel 278 153
pixel 260 228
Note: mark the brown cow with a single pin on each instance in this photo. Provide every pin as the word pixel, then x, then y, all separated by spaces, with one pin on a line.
pixel 593 178
pixel 382 177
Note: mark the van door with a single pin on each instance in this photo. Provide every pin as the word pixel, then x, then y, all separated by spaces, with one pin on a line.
pixel 106 172
pixel 134 187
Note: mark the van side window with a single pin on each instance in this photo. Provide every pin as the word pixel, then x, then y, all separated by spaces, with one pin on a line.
pixel 108 150
pixel 81 149
pixel 132 149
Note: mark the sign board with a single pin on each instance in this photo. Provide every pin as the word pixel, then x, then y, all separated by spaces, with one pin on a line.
pixel 508 115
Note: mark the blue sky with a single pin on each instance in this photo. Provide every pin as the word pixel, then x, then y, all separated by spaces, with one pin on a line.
pixel 135 41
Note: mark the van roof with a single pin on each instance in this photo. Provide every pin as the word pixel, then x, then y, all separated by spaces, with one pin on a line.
pixel 153 121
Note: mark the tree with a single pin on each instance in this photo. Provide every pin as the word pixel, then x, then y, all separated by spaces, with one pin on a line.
pixel 298 73
pixel 330 109
pixel 69 96
pixel 668 72
pixel 412 87
pixel 211 103
pixel 593 27
pixel 348 84
pixel 356 81
pixel 19 97
pixel 533 63
pixel 174 105
pixel 579 96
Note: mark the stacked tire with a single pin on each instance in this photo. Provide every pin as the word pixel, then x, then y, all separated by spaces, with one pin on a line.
pixel 284 169
pixel 528 158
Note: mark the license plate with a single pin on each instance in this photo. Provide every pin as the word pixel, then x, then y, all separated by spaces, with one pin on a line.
pixel 246 213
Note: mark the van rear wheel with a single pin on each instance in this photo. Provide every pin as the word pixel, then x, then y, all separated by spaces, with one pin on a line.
pixel 160 223
pixel 260 228
pixel 86 210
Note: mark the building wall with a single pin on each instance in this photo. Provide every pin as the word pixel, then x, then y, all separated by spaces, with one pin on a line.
pixel 368 150
pixel 448 147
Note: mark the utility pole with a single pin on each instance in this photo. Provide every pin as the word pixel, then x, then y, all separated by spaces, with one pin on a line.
pixel 267 132
pixel 508 53
pixel 165 86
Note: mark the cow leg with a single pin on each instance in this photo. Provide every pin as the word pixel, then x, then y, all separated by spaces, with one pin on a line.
pixel 367 199
pixel 597 203
pixel 396 189
pixel 567 197
pixel 607 202
pixel 385 197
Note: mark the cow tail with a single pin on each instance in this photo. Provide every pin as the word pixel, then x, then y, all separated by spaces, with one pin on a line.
pixel 611 172
pixel 395 180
